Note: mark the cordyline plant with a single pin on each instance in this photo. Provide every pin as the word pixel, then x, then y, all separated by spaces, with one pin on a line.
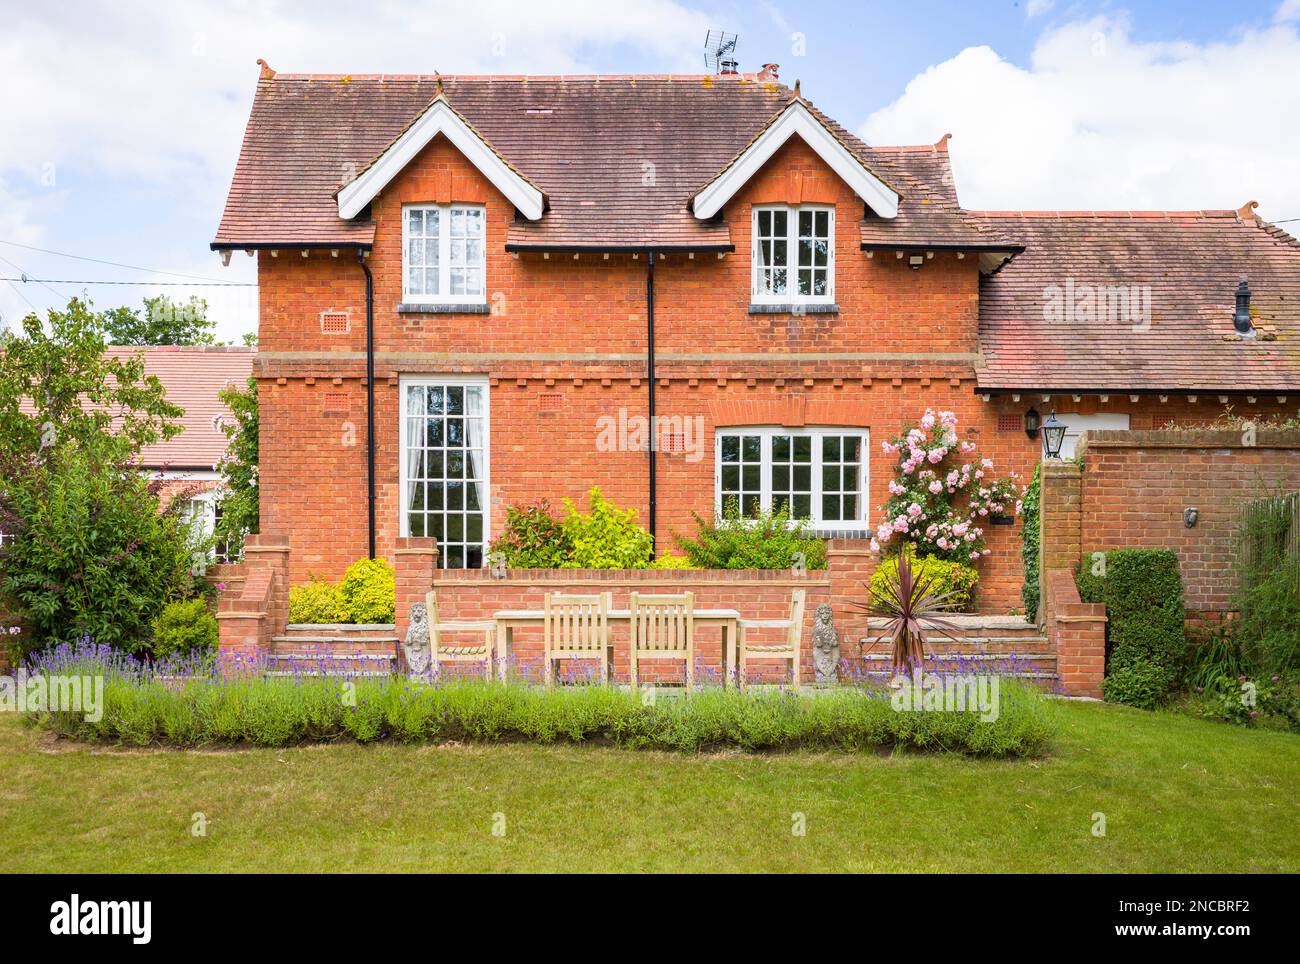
pixel 912 606
pixel 938 502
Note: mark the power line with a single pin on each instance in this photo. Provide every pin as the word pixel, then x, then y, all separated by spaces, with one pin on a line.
pixel 157 284
pixel 114 264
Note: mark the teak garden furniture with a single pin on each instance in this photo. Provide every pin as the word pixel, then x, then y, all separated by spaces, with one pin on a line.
pixel 480 652
pixel 788 648
pixel 577 627
pixel 663 627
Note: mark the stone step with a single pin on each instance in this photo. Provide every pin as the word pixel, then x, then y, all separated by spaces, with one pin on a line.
pixel 304 640
pixel 345 629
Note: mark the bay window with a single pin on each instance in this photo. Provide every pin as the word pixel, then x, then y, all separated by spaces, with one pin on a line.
pixel 794 254
pixel 444 254
pixel 445 467
pixel 819 473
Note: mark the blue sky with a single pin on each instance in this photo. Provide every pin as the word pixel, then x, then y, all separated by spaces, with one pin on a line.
pixel 122 127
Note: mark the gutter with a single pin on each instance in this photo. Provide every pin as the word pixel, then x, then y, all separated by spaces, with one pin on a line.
pixel 370 399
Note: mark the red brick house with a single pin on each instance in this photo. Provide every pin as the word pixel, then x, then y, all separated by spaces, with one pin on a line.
pixel 463 280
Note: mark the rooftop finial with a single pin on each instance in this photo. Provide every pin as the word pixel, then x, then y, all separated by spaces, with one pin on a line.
pixel 941 144
pixel 437 83
pixel 1247 210
pixel 267 73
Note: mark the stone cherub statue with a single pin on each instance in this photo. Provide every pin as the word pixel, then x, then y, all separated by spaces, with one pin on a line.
pixel 417 647
pixel 826 647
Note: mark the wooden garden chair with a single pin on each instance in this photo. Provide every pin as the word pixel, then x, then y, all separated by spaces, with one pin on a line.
pixel 479 651
pixel 577 627
pixel 663 627
pixel 788 648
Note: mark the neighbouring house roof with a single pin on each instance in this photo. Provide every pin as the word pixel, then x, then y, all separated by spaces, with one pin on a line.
pixel 618 158
pixel 192 377
pixel 1190 262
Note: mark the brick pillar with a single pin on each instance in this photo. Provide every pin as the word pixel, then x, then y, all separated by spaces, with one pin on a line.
pixel 849 564
pixel 260 610
pixel 1077 631
pixel 1060 514
pixel 414 560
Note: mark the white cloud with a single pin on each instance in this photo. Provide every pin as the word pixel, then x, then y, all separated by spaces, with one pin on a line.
pixel 149 101
pixel 1289 11
pixel 1100 120
pixel 1035 8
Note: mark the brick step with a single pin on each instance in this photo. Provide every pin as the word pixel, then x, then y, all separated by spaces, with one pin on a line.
pixel 1020 663
pixel 330 662
pixel 341 629
pixel 365 642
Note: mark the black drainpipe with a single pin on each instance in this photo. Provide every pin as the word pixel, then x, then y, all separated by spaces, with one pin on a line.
pixel 650 366
pixel 370 398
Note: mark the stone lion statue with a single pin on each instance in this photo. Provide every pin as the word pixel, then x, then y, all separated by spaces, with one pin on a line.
pixel 417 646
pixel 826 646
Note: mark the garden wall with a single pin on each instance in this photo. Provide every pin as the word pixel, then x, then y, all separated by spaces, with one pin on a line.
pixel 1135 487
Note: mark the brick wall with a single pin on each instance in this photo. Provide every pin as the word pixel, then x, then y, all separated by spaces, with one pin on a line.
pixel 1135 486
pixel 565 345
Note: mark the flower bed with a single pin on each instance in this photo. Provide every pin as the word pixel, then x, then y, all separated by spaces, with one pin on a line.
pixel 140 710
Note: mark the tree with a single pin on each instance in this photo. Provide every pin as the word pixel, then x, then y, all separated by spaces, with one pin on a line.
pixel 162 322
pixel 239 506
pixel 92 554
pixel 58 386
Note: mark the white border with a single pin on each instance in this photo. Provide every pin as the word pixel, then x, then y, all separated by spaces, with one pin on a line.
pixel 791 296
pixel 765 462
pixel 444 256
pixel 439 118
pixel 797 119
pixel 403 528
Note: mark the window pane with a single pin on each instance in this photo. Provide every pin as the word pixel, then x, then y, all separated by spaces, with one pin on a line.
pixel 731 448
pixel 731 478
pixel 780 222
pixel 831 508
pixel 802 508
pixel 752 447
pixel 831 448
pixel 445 478
pixel 765 223
pixel 780 448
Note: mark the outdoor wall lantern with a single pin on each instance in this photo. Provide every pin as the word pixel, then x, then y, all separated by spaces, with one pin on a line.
pixel 1053 436
pixel 1190 515
pixel 1032 421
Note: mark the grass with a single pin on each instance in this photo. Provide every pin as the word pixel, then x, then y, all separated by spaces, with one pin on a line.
pixel 1179 795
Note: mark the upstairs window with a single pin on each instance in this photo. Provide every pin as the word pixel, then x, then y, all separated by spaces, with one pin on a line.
pixel 444 258
pixel 794 255
pixel 820 474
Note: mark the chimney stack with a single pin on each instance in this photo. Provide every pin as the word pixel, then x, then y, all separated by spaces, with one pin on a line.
pixel 1241 317
pixel 768 75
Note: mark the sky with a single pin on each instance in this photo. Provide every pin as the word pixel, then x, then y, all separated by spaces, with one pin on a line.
pixel 120 122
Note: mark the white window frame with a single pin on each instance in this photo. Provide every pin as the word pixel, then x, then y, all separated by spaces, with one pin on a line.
pixel 816 432
pixel 424 381
pixel 444 297
pixel 791 296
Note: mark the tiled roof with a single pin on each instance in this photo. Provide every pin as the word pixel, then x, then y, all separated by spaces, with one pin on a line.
pixel 1191 262
pixel 192 377
pixel 618 158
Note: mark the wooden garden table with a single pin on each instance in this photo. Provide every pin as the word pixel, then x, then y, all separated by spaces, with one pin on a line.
pixel 508 620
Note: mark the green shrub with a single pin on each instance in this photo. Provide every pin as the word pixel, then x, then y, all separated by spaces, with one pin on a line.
pixel 607 537
pixel 954 577
pixel 671 562
pixel 369 591
pixel 94 556
pixel 533 538
pixel 185 628
pixel 1031 547
pixel 1143 593
pixel 1140 683
pixel 771 541
pixel 316 602
pixel 141 711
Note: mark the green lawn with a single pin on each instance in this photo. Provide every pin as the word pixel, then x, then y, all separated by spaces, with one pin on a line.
pixel 1179 795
